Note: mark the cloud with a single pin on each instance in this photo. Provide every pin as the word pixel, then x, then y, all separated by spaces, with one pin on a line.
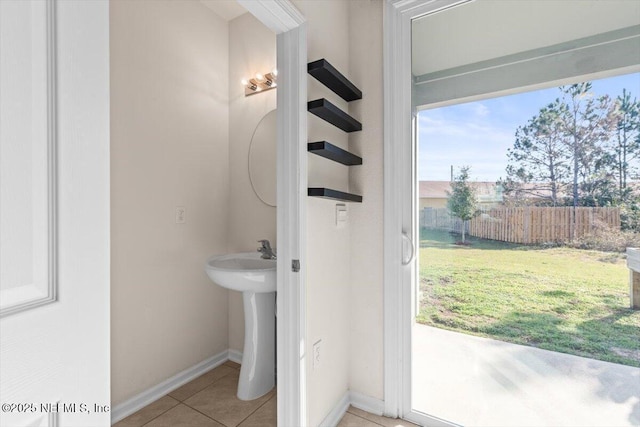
pixel 478 109
pixel 465 135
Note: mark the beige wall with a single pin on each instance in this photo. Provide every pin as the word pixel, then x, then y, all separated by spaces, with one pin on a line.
pixel 328 248
pixel 183 140
pixel 252 48
pixel 366 250
pixel 169 147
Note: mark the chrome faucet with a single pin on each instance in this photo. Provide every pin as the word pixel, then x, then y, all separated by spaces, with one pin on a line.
pixel 265 250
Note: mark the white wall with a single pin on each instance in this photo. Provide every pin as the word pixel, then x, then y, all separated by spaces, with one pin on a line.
pixel 252 48
pixel 344 281
pixel 328 249
pixel 169 147
pixel 366 303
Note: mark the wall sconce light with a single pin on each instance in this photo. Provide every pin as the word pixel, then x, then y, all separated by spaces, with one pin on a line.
pixel 260 83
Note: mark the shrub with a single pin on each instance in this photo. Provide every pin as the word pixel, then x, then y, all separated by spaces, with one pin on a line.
pixel 630 216
pixel 607 239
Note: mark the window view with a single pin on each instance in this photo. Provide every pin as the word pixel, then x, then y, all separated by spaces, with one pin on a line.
pixel 527 205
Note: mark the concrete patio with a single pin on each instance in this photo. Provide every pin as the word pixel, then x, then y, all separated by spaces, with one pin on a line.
pixel 473 381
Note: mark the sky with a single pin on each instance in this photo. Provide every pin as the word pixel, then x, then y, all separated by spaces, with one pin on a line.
pixel 478 134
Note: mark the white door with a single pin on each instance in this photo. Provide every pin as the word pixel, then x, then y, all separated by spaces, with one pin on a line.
pixel 54 213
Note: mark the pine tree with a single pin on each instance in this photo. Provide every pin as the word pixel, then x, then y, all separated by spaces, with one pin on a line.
pixel 585 128
pixel 625 146
pixel 564 151
pixel 538 161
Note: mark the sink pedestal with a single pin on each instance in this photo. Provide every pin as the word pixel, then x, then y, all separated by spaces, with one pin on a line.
pixel 257 373
pixel 256 278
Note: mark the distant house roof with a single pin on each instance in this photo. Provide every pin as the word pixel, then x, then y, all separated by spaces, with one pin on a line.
pixel 487 191
pixel 438 189
pixel 434 189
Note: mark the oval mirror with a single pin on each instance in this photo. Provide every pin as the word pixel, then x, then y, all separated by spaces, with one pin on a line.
pixel 262 159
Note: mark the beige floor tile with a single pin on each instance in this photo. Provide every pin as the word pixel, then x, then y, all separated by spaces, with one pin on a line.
pixel 231 364
pixel 200 383
pixel 350 420
pixel 182 416
pixel 148 413
pixel 384 421
pixel 265 416
pixel 219 401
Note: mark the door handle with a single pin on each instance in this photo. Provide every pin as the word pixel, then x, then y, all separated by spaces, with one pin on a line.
pixel 412 254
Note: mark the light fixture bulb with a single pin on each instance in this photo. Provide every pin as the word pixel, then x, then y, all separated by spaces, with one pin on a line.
pixel 260 82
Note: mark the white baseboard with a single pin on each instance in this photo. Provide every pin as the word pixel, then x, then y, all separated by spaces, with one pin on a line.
pixel 235 356
pixel 357 400
pixel 338 411
pixel 366 403
pixel 123 410
pixel 156 392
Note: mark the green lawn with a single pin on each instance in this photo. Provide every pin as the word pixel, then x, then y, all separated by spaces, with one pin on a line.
pixel 561 299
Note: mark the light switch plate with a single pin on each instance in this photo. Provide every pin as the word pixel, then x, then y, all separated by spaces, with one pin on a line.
pixel 342 215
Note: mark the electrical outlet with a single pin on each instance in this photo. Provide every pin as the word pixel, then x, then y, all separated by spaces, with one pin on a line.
pixel 181 215
pixel 316 354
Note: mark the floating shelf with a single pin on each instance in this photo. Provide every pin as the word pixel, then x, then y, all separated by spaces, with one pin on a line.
pixel 326 74
pixel 337 154
pixel 332 114
pixel 328 193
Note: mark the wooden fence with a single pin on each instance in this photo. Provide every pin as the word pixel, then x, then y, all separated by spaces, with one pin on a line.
pixel 526 224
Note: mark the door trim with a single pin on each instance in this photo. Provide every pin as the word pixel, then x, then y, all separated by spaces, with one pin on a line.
pixel 397 114
pixel 282 17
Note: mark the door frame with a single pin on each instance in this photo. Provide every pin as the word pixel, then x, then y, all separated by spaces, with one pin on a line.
pixel 282 17
pixel 618 48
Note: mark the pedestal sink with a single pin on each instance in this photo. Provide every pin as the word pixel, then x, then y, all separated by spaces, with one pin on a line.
pixel 256 279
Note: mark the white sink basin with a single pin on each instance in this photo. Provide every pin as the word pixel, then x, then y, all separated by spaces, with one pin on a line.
pixel 243 272
pixel 256 279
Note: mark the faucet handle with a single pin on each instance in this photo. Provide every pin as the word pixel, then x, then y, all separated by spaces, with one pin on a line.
pixel 265 250
pixel 264 245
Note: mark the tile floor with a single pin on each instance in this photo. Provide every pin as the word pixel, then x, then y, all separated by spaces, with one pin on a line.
pixel 210 401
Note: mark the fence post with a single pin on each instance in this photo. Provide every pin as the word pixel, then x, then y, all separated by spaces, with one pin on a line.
pixel 527 224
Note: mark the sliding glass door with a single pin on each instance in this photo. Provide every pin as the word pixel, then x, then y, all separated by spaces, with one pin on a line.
pixel 503 318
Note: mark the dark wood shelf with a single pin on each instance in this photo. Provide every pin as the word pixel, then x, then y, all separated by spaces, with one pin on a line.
pixel 326 74
pixel 328 193
pixel 337 154
pixel 334 115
